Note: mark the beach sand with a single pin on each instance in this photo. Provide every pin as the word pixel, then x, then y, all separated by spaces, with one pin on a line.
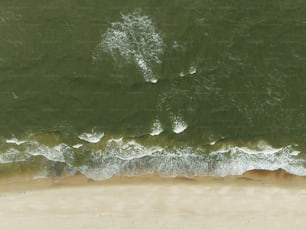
pixel 258 199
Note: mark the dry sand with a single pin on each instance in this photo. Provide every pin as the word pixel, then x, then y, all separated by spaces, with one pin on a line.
pixel 256 200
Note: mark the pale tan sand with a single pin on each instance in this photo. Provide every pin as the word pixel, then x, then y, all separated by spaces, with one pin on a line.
pixel 256 200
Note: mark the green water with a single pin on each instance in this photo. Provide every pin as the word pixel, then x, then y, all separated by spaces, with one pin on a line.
pixel 228 70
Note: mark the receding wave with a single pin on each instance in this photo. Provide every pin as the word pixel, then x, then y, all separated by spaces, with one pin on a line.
pixel 119 156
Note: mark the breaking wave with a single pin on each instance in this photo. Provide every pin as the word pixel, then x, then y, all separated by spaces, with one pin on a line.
pixel 93 137
pixel 157 128
pixel 178 123
pixel 118 156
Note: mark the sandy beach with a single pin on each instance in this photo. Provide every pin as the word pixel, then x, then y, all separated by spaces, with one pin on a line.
pixel 258 199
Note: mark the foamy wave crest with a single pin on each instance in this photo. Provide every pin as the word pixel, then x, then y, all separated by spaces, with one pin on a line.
pixel 105 163
pixel 237 160
pixel 157 128
pixel 129 150
pixel 93 137
pixel 178 124
pixel 128 157
pixel 12 155
pixel 15 141
pixel 135 40
pixel 188 162
pixel 58 153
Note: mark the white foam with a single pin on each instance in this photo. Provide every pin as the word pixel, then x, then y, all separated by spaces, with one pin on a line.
pixel 157 128
pixel 77 146
pixel 213 142
pixel 14 141
pixel 129 150
pixel 192 70
pixel 12 155
pixel 117 140
pixel 132 158
pixel 182 74
pixel 56 153
pixel 235 160
pixel 129 157
pixel 134 40
pixel 178 124
pixel 93 137
pixel 295 153
pixel 268 150
pixel 146 70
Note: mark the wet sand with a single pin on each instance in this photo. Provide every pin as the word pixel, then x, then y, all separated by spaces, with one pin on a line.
pixel 258 199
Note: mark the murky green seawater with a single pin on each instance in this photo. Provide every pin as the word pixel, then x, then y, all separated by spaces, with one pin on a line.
pixel 204 75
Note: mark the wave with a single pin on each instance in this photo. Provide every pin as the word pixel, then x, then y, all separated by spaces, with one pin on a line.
pixel 178 123
pixel 93 137
pixel 12 155
pixel 188 162
pixel 157 128
pixel 15 141
pixel 128 157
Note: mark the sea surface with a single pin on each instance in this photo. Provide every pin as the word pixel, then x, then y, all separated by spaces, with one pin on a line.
pixel 178 88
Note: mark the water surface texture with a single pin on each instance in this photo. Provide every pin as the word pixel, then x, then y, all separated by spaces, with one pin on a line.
pixel 171 87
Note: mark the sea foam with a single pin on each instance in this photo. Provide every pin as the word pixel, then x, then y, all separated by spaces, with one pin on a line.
pixel 93 137
pixel 178 123
pixel 119 156
pixel 132 158
pixel 135 40
pixel 157 128
pixel 15 141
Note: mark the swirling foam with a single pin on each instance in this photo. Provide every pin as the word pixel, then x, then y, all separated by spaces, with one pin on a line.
pixel 188 162
pixel 135 40
pixel 128 157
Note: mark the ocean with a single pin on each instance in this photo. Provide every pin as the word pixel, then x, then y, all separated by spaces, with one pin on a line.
pixel 175 88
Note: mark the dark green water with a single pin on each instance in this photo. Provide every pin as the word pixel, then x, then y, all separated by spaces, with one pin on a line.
pixel 213 75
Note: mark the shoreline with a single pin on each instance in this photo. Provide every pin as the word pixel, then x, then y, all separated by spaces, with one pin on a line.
pixel 256 199
pixel 278 177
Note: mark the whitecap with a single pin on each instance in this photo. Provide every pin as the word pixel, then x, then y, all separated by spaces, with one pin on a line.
pixel 93 137
pixel 157 128
pixel 192 70
pixel 77 146
pixel 14 141
pixel 213 142
pixel 178 124
pixel 182 74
